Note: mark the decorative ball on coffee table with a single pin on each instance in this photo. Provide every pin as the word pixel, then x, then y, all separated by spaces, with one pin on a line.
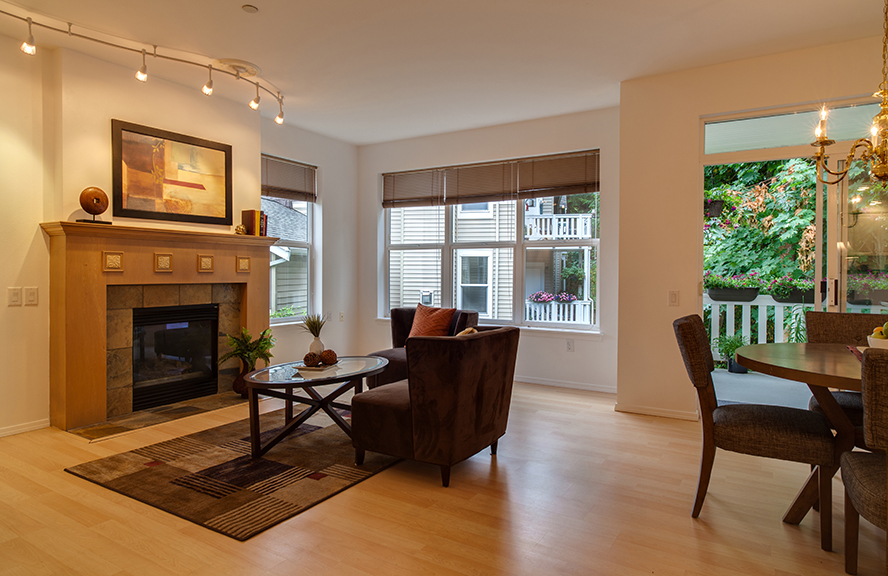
pixel 328 357
pixel 93 201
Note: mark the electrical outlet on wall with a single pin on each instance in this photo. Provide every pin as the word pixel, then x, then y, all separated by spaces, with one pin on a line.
pixel 672 298
pixel 342 316
pixel 570 345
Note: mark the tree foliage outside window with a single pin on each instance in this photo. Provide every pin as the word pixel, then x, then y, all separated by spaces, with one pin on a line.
pixel 767 225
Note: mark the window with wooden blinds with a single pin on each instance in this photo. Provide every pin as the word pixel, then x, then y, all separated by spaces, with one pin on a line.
pixel 288 179
pixel 537 177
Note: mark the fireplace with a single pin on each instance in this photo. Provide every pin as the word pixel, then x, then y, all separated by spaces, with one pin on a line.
pixel 99 274
pixel 174 354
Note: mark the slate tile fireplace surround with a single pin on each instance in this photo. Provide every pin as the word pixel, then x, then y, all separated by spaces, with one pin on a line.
pixel 99 273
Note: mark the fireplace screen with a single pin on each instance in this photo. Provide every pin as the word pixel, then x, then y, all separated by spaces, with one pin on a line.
pixel 174 354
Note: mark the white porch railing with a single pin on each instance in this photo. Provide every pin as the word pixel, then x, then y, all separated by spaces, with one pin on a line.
pixel 558 226
pixel 579 312
pixel 760 306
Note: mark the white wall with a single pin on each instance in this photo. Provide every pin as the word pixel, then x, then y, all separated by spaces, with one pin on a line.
pixel 661 191
pixel 543 357
pixel 24 340
pixel 335 238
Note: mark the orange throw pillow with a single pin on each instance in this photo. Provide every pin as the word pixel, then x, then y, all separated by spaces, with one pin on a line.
pixel 430 321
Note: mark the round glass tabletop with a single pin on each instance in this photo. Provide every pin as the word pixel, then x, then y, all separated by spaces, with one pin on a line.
pixel 291 373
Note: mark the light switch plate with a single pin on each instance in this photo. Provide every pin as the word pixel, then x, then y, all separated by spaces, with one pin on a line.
pixel 30 295
pixel 13 296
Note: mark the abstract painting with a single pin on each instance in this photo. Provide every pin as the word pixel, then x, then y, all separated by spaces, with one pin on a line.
pixel 161 175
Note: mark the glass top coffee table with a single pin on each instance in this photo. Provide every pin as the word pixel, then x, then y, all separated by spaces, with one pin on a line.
pixel 281 380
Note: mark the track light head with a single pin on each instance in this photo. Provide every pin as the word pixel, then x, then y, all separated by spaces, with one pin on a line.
pixel 208 87
pixel 28 46
pixel 142 73
pixel 254 103
pixel 280 117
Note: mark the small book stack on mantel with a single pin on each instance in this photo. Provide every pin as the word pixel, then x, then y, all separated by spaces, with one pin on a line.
pixel 255 221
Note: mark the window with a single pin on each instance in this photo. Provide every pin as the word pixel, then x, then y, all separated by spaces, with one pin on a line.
pixel 288 193
pixel 516 241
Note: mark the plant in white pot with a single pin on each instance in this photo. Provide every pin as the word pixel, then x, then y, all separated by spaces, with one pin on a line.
pixel 313 323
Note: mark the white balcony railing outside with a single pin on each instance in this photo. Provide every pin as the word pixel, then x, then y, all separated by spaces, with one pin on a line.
pixel 558 226
pixel 579 312
pixel 783 313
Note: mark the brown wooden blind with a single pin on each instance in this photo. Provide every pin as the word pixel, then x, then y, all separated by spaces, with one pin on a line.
pixel 288 179
pixel 556 175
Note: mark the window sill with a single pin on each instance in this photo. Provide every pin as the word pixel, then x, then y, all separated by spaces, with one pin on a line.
pixel 593 335
pixel 272 322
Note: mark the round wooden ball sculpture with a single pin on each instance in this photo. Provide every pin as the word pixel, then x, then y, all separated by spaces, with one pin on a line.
pixel 93 201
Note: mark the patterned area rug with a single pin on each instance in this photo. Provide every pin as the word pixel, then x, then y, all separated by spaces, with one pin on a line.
pixel 210 479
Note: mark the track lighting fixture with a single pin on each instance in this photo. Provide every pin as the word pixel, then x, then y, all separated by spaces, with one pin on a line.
pixel 28 46
pixel 239 69
pixel 208 87
pixel 254 103
pixel 142 73
pixel 280 117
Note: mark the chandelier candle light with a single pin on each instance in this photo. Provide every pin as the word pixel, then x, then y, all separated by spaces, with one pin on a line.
pixel 875 150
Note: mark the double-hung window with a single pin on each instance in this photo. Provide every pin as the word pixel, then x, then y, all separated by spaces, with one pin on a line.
pixel 517 241
pixel 288 195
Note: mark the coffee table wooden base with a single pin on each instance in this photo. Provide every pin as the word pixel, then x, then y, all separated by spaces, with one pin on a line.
pixel 315 401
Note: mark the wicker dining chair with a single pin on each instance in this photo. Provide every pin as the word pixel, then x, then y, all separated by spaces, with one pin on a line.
pixel 769 431
pixel 849 329
pixel 864 473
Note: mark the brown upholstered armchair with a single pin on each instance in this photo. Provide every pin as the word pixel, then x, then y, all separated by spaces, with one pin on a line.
pixel 402 321
pixel 454 404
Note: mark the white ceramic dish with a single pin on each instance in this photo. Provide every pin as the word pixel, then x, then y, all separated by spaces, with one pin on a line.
pixel 877 342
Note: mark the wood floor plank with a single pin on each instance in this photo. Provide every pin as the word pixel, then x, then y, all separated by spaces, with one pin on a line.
pixel 576 488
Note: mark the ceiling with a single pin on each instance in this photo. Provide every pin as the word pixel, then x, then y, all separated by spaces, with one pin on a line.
pixel 367 71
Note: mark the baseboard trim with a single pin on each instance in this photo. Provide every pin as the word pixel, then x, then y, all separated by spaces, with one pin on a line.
pixel 567 384
pixel 648 411
pixel 26 427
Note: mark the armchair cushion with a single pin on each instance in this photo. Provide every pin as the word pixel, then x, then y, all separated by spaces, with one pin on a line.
pixel 388 409
pixel 430 321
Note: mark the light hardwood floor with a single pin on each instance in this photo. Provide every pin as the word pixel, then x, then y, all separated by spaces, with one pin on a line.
pixel 575 489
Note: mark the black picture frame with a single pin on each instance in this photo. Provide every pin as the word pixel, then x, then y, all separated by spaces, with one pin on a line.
pixel 162 175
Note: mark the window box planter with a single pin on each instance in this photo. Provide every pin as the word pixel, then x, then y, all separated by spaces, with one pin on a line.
pixel 713 208
pixel 733 294
pixel 796 296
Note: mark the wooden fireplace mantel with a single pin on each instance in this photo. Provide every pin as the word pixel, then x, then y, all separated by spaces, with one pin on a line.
pixel 86 258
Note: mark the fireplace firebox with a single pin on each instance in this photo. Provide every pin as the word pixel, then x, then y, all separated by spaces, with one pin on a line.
pixel 175 351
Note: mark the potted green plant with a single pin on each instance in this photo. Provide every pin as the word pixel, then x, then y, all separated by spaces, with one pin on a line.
pixel 248 351
pixel 738 288
pixel 727 347
pixel 312 323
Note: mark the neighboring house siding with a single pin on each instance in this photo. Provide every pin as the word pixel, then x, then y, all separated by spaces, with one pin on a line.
pixel 412 272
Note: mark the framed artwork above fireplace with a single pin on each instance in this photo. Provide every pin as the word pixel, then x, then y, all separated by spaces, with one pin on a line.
pixel 161 175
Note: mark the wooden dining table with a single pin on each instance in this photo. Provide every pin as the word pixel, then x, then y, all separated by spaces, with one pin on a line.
pixel 821 367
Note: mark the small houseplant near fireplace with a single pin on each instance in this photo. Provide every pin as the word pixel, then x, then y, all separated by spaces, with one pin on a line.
pixel 249 352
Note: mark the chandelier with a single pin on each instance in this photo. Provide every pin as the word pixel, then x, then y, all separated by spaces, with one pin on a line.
pixel 874 152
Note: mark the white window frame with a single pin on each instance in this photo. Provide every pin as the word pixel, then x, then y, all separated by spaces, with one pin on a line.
pixel 450 280
pixel 468 214
pixel 461 253
pixel 307 245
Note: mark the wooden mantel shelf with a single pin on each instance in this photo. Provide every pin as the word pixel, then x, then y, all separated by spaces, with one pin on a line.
pixel 85 259
pixel 157 234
